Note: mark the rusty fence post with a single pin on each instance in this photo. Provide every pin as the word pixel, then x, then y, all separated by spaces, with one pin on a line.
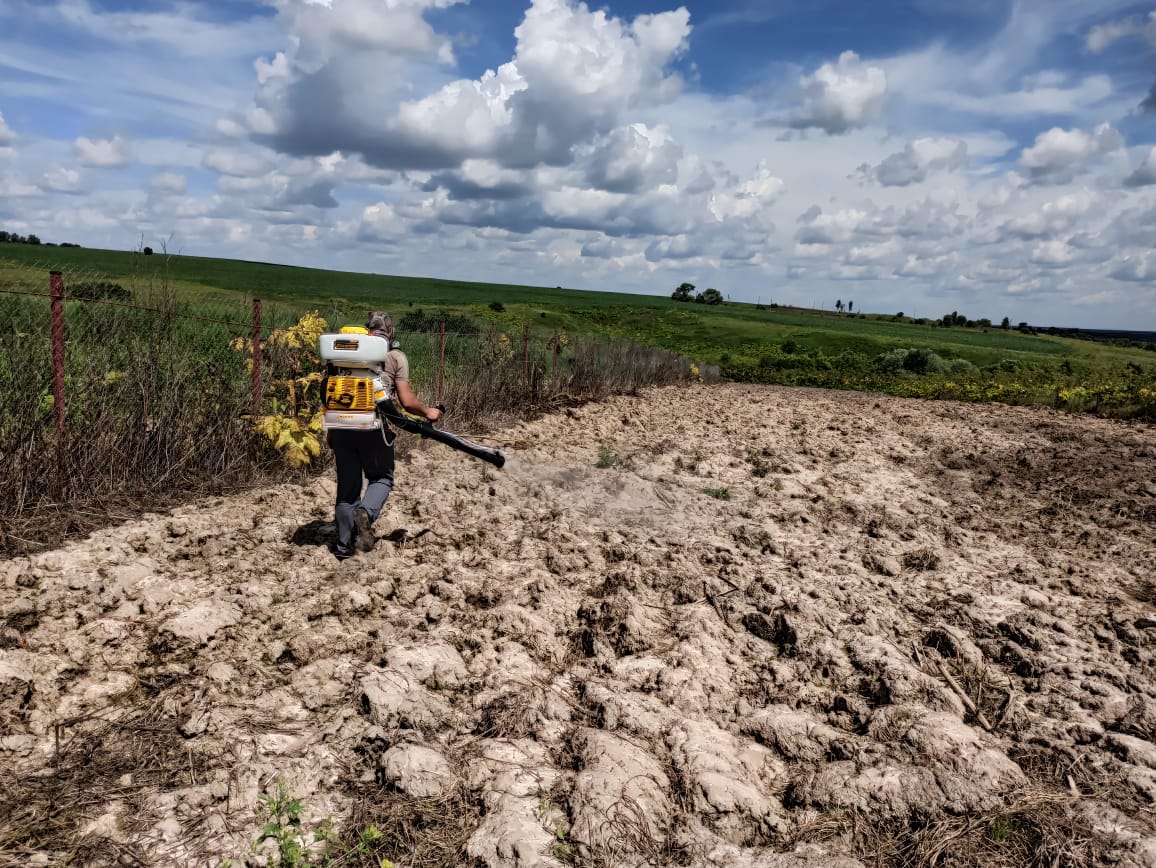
pixel 56 285
pixel 256 348
pixel 442 362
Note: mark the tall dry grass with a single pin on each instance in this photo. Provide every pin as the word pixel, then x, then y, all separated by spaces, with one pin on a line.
pixel 153 413
pixel 157 403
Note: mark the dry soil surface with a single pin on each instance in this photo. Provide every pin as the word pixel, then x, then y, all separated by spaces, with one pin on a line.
pixel 725 626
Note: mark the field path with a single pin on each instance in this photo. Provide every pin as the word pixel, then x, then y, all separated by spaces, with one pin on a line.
pixel 728 626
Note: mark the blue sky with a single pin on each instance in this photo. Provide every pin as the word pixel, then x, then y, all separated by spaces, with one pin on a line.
pixel 995 158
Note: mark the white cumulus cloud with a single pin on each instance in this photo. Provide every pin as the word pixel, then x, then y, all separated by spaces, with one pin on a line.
pixel 633 158
pixel 1137 268
pixel 1059 154
pixel 169 183
pixel 111 153
pixel 7 137
pixel 575 75
pixel 917 160
pixel 60 180
pixel 236 162
pixel 1103 35
pixel 842 95
pixel 749 198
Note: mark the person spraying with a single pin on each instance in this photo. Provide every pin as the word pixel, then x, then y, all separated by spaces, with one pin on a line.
pixel 366 390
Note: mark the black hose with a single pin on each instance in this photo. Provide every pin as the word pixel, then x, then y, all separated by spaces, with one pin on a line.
pixel 425 428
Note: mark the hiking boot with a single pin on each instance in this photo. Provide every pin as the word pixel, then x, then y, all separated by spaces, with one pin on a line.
pixel 365 538
pixel 342 552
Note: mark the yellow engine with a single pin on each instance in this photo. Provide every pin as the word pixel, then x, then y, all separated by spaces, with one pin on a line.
pixel 349 393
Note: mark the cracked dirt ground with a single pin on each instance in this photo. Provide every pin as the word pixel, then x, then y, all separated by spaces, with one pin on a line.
pixel 727 626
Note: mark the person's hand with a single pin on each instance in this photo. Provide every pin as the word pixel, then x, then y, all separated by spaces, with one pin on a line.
pixel 433 413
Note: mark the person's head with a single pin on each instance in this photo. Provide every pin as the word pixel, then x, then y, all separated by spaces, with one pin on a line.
pixel 380 323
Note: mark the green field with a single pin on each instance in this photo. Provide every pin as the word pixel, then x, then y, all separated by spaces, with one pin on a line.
pixel 749 342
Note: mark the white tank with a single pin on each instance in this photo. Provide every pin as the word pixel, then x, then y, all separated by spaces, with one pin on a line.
pixel 354 350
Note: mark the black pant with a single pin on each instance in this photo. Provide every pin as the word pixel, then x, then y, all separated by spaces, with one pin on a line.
pixel 360 454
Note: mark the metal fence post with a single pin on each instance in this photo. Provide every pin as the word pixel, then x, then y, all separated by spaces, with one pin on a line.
pixel 56 284
pixel 442 361
pixel 256 348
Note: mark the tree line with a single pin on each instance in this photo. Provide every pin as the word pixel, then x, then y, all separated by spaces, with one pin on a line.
pixel 685 292
pixel 17 238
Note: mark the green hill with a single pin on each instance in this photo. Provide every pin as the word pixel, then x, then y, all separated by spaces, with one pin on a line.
pixel 754 343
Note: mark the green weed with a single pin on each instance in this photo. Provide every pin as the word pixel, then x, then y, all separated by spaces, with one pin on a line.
pixel 298 847
pixel 295 845
pixel 607 457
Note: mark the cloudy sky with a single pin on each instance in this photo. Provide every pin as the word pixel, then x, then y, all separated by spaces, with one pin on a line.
pixel 992 157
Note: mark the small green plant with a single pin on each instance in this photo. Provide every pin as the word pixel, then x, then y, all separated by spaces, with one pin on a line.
pixel 759 465
pixel 562 851
pixel 497 307
pixel 607 457
pixel 1002 828
pixel 297 847
pixel 282 815
pixel 718 493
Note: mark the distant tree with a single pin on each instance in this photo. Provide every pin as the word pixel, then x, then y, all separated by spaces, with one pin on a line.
pixel 32 239
pixel 684 292
pixel 148 251
pixel 850 306
pixel 839 305
pixel 712 296
pixel 983 322
pixel 1006 324
pixel 4 236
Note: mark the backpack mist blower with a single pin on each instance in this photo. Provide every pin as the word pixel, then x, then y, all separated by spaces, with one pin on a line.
pixel 356 397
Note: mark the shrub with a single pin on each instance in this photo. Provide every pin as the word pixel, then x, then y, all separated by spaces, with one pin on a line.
pixel 958 367
pixel 890 362
pixel 923 361
pixel 919 361
pixel 498 307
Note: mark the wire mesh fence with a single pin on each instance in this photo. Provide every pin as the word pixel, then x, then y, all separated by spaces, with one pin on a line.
pixel 110 395
pixel 103 397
